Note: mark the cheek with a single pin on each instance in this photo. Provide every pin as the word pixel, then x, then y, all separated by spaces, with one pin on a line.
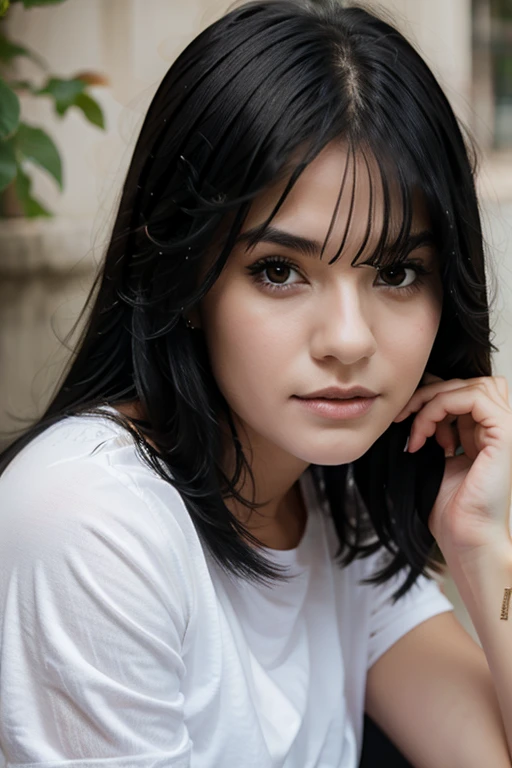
pixel 244 350
pixel 409 347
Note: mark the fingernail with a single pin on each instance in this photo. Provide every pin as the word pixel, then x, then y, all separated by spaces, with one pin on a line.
pixel 406 445
pixel 448 454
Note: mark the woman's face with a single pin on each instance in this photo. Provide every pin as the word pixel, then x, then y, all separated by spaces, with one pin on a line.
pixel 279 331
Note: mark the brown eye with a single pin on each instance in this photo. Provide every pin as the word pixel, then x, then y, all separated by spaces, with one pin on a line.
pixel 275 274
pixel 278 273
pixel 395 274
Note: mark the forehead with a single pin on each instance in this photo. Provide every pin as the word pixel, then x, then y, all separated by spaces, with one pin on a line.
pixel 342 189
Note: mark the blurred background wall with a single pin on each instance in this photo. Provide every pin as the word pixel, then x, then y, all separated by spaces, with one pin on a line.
pixel 47 265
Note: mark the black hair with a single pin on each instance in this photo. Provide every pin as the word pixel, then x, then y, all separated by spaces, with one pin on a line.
pixel 253 98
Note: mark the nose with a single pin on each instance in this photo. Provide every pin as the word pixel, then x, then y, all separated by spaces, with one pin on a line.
pixel 343 324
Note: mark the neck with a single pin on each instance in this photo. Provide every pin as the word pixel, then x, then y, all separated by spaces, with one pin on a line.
pixel 280 522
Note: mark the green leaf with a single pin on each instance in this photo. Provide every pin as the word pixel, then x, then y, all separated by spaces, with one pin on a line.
pixel 32 3
pixel 31 207
pixel 9 110
pixel 91 109
pixel 4 5
pixel 7 165
pixel 64 92
pixel 9 50
pixel 22 85
pixel 35 144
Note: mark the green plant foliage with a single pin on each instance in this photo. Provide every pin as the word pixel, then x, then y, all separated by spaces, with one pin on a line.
pixel 71 93
pixel 7 164
pixel 64 92
pixel 9 50
pixel 21 143
pixel 22 85
pixel 33 3
pixel 91 109
pixel 34 144
pixel 31 207
pixel 9 110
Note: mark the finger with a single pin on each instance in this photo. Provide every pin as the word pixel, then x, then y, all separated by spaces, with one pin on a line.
pixel 502 387
pixel 493 384
pixel 470 401
pixel 426 393
pixel 430 378
pixel 471 435
pixel 447 436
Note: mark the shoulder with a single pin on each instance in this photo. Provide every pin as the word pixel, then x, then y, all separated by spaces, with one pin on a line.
pixel 80 490
pixel 387 619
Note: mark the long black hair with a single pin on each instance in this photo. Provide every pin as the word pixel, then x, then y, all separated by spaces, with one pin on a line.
pixel 253 98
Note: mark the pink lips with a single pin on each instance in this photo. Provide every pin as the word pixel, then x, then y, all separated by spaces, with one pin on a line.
pixel 340 393
pixel 338 408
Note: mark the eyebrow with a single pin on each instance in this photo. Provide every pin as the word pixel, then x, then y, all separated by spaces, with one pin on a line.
pixel 312 248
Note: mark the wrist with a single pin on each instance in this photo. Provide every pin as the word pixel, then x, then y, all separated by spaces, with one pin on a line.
pixel 482 580
pixel 479 562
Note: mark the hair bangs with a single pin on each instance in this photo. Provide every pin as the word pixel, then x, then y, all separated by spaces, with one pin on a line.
pixel 394 198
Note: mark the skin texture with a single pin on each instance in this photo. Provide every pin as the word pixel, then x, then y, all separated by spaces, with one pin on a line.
pixel 332 325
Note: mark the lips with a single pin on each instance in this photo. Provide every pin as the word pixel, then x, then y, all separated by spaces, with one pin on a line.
pixel 357 397
pixel 337 408
pixel 339 393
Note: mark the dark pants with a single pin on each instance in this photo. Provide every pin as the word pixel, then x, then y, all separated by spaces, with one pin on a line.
pixel 378 750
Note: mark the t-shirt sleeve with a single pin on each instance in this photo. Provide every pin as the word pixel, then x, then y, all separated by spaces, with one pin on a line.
pixel 388 622
pixel 93 610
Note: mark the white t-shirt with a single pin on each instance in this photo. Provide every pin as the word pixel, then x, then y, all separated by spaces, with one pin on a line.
pixel 123 645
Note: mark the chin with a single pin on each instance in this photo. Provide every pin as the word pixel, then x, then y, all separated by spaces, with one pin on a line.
pixel 331 457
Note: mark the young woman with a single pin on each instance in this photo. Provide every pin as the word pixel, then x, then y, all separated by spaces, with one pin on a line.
pixel 214 550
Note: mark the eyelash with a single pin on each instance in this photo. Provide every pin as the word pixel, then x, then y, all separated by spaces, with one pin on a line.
pixel 258 268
